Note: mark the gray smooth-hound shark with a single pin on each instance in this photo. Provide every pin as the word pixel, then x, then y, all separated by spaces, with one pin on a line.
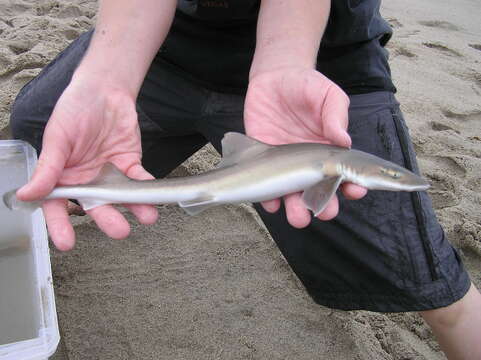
pixel 250 171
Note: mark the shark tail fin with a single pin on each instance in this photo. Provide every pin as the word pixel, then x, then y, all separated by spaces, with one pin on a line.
pixel 13 203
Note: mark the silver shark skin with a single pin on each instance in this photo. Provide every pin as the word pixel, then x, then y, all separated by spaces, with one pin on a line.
pixel 250 171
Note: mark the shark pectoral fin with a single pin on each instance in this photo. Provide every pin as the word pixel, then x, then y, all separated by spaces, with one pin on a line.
pixel 196 206
pixel 316 197
pixel 237 147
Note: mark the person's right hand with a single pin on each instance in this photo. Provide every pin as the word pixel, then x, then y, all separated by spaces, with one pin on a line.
pixel 92 123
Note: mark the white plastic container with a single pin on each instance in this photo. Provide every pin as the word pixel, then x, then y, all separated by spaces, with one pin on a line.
pixel 28 319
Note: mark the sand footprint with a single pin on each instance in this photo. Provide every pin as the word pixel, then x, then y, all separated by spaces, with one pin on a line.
pixel 469 75
pixel 19 47
pixel 442 48
pixel 394 23
pixel 473 115
pixel 407 34
pixel 439 24
pixel 476 46
pixel 437 126
pixel 398 50
pixel 446 164
pixel 443 189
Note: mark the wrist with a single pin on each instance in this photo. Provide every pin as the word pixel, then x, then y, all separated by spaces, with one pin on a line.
pixel 278 72
pixel 289 34
pixel 278 52
pixel 98 76
pixel 90 89
pixel 269 64
pixel 126 38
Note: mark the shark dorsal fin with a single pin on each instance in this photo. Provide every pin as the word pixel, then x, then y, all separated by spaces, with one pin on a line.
pixel 237 147
pixel 109 174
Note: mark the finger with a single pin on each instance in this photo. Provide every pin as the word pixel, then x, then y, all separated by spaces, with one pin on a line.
pixel 145 214
pixel 335 117
pixel 137 172
pixel 58 223
pixel 296 212
pixel 271 206
pixel 353 192
pixel 331 210
pixel 110 221
pixel 338 136
pixel 52 160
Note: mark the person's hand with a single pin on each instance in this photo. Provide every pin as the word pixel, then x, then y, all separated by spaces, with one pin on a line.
pixel 292 105
pixel 92 123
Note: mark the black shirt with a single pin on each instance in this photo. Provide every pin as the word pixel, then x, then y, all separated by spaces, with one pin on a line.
pixel 212 42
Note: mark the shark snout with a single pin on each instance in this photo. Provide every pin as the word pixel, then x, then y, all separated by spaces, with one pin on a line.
pixel 414 182
pixel 400 180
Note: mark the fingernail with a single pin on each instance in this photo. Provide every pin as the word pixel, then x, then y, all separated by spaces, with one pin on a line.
pixel 348 140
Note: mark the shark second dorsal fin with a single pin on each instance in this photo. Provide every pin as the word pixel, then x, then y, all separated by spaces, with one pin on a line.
pixel 237 147
pixel 109 174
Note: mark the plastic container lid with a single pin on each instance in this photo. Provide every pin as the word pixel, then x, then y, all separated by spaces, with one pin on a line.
pixel 28 319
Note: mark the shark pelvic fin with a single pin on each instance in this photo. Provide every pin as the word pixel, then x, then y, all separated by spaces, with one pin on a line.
pixel 237 147
pixel 88 204
pixel 316 197
pixel 196 206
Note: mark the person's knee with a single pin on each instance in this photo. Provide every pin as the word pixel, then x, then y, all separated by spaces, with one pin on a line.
pixel 18 116
pixel 447 316
pixel 25 123
pixel 455 313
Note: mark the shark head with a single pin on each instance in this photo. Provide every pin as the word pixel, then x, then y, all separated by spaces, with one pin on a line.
pixel 375 173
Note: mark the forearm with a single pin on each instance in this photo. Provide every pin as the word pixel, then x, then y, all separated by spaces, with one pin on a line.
pixel 127 36
pixel 289 33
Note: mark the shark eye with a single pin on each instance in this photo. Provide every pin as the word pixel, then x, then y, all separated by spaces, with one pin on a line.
pixel 391 173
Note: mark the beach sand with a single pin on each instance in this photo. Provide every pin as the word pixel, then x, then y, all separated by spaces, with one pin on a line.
pixel 214 286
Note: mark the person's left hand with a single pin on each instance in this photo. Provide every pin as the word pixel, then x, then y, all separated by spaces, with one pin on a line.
pixel 292 105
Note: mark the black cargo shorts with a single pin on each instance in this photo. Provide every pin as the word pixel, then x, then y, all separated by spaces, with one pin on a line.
pixel 385 252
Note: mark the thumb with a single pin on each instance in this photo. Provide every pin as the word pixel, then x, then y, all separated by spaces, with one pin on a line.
pixel 343 139
pixel 335 117
pixel 337 135
pixel 50 165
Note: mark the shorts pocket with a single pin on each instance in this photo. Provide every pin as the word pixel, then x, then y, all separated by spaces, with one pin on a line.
pixel 421 203
pixel 403 226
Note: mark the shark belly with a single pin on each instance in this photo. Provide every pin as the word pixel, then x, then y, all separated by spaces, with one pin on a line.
pixel 267 188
